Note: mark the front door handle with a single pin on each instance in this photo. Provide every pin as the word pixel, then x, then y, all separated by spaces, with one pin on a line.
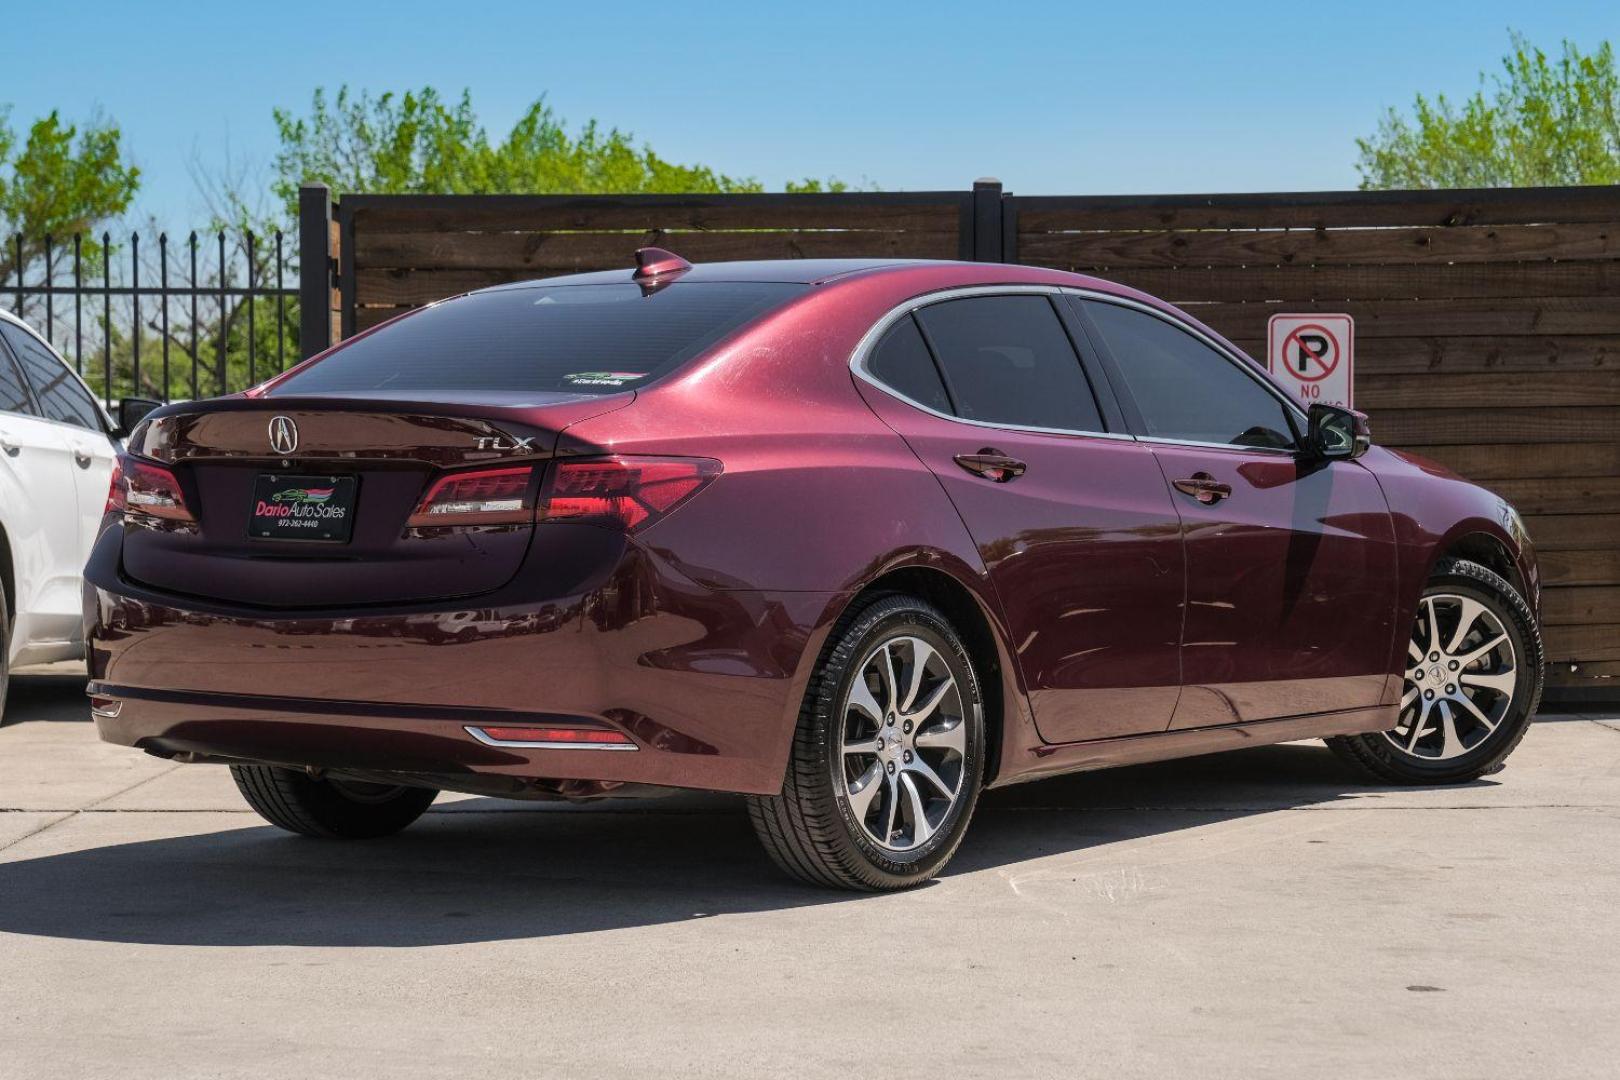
pixel 82 459
pixel 1203 487
pixel 992 464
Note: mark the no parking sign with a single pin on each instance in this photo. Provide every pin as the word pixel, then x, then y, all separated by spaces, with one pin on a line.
pixel 1313 356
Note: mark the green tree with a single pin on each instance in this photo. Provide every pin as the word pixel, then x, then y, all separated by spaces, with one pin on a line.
pixel 417 142
pixel 1539 120
pixel 57 181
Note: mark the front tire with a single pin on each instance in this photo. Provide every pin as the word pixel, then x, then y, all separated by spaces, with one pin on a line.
pixel 331 809
pixel 888 756
pixel 1473 683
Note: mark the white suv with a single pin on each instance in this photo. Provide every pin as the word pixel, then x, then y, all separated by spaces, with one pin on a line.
pixel 57 448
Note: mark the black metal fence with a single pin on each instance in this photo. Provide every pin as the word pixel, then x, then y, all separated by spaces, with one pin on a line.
pixel 212 314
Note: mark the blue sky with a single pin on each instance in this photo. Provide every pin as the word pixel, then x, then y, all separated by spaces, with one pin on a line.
pixel 1052 98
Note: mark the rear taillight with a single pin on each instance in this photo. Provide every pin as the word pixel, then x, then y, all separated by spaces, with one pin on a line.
pixel 483 497
pixel 143 489
pixel 625 492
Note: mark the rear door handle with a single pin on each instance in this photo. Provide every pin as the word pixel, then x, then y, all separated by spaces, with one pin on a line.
pixel 1203 487
pixel 82 459
pixel 11 449
pixel 992 464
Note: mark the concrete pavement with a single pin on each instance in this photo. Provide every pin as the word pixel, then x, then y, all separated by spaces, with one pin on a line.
pixel 1244 915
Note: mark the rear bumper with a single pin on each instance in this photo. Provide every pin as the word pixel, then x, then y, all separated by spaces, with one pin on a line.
pixel 705 683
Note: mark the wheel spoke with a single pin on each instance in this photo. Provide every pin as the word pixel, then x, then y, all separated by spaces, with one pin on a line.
pixel 1471 611
pixel 891 684
pixel 1418 722
pixel 920 829
pixel 1482 650
pixel 1413 649
pixel 863 746
pixel 860 697
pixel 921 653
pixel 1502 682
pixel 893 788
pixel 1466 702
pixel 951 737
pixel 922 713
pixel 1434 624
pixel 1452 745
pixel 921 768
pixel 863 789
pixel 1408 697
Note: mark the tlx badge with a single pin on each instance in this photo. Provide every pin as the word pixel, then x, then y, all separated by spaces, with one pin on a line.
pixel 496 442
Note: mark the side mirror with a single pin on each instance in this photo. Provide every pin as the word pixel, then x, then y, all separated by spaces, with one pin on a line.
pixel 132 410
pixel 1337 433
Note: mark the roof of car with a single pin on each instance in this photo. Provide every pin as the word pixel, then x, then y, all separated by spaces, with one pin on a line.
pixel 933 273
pixel 824 271
pixel 793 271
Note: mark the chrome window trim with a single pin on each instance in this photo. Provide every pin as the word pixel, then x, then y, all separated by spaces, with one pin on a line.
pixel 1240 447
pixel 1250 369
pixel 869 340
pixel 478 733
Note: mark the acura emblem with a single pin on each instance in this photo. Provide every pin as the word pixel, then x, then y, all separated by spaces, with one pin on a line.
pixel 283 435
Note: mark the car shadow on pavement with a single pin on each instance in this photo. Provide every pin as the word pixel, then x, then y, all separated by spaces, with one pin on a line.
pixel 486 870
pixel 52 697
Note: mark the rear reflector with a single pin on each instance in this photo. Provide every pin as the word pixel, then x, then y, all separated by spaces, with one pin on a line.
pixel 143 489
pixel 626 492
pixel 106 706
pixel 481 497
pixel 554 738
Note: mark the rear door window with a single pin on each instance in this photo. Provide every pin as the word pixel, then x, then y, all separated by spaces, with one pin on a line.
pixel 1008 360
pixel 61 396
pixel 586 339
pixel 13 391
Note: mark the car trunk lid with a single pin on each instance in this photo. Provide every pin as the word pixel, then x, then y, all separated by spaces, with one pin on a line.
pixel 380 452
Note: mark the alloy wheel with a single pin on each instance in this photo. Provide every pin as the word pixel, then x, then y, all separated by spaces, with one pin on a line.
pixel 1460 679
pixel 902 743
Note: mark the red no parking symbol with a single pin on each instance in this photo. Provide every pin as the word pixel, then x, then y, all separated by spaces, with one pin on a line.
pixel 1311 352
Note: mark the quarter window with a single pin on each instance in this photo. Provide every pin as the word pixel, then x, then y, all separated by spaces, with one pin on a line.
pixel 1008 360
pixel 1185 389
pixel 902 361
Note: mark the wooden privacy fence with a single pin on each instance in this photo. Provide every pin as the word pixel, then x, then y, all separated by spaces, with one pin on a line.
pixel 398 252
pixel 1487 322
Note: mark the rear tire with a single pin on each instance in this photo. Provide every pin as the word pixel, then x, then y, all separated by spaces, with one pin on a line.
pixel 331 809
pixel 1460 718
pixel 888 757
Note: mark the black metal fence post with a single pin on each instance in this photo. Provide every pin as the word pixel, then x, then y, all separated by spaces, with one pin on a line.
pixel 987 220
pixel 135 321
pixel 314 269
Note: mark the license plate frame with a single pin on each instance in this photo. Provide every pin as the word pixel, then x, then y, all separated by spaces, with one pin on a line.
pixel 299 507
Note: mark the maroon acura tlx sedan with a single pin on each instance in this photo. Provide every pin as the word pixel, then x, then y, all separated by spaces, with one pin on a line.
pixel 857 540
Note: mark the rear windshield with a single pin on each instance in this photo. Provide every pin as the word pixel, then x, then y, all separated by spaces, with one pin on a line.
pixel 588 339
